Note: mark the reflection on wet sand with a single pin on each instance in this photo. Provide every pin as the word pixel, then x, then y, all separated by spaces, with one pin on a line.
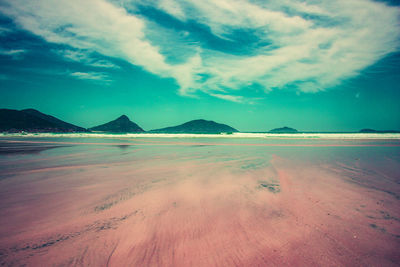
pixel 23 148
pixel 199 203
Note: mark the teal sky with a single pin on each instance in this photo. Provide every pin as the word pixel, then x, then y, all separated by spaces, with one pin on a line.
pixel 255 65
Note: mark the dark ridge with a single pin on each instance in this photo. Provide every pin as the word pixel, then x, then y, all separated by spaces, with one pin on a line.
pixel 58 122
pixel 31 120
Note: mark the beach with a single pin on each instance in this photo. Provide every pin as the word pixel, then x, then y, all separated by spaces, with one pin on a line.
pixel 200 200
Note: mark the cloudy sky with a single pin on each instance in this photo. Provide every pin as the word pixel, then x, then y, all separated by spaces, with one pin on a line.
pixel 255 65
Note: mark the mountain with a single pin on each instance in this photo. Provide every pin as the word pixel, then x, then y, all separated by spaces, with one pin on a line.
pixel 283 130
pixel 60 124
pixel 198 126
pixel 33 121
pixel 377 131
pixel 121 125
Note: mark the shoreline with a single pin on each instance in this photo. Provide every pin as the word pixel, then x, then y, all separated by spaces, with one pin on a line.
pixel 294 136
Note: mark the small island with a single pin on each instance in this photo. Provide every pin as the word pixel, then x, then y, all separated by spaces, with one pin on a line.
pixel 198 127
pixel 283 130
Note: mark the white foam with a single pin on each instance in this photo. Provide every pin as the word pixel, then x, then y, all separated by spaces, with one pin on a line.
pixel 234 135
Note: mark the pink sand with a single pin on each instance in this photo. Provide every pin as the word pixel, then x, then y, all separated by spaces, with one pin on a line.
pixel 188 207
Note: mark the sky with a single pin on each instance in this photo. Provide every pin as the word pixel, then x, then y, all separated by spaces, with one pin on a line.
pixel 314 65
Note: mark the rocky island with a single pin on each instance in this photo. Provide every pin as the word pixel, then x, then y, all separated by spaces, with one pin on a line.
pixel 283 130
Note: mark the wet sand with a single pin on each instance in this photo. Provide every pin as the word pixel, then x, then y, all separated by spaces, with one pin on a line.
pixel 199 202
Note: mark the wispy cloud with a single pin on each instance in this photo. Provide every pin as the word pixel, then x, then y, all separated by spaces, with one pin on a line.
pixel 232 98
pixel 14 53
pixel 91 76
pixel 86 58
pixel 308 45
pixel 4 31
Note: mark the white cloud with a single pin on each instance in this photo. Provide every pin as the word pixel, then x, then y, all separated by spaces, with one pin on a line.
pixel 172 7
pixel 94 25
pixel 313 44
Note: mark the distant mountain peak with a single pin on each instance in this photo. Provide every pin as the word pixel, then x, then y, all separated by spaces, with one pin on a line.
pixel 123 117
pixel 200 120
pixel 120 125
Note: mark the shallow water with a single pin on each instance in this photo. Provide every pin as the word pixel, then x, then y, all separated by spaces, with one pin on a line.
pixel 199 201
